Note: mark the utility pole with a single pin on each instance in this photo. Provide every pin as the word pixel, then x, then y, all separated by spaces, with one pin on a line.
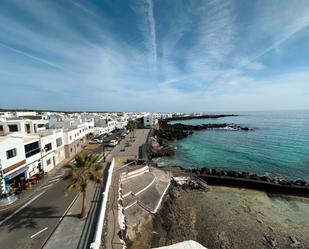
pixel 103 149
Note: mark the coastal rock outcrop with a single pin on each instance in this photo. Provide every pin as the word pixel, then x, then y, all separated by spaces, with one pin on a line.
pixel 159 148
pixel 210 116
pixel 178 131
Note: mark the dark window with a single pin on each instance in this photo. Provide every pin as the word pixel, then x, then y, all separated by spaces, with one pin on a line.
pixel 48 162
pixel 41 125
pixel 59 141
pixel 13 128
pixel 32 149
pixel 48 147
pixel 1 127
pixel 11 153
pixel 27 127
pixel 70 137
pixel 71 150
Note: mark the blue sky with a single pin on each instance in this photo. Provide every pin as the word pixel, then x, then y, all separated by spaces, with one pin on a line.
pixel 154 55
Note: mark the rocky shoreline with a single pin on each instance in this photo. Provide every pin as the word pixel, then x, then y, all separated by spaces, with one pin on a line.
pixel 158 145
pixel 209 116
pixel 179 131
pixel 249 180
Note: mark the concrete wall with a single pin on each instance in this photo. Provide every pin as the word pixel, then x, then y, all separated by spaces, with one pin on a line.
pixel 72 149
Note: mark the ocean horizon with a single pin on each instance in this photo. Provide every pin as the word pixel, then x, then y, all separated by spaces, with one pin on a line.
pixel 277 146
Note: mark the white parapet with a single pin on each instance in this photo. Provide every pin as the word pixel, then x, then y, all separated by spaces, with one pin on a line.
pixel 96 244
pixel 188 244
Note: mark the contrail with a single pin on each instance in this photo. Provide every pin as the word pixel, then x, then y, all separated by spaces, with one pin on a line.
pixel 152 30
pixel 31 56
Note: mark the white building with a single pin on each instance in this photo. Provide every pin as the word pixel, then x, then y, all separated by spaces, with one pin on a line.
pixel 52 146
pixel 150 120
pixel 20 156
pixel 22 125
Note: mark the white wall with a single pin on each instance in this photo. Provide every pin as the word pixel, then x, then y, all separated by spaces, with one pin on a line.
pixel 8 143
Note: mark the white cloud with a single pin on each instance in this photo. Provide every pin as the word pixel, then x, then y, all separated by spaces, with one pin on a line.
pixel 198 60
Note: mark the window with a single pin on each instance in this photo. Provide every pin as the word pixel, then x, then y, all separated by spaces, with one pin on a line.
pixel 27 128
pixel 71 150
pixel 13 128
pixel 11 153
pixel 48 162
pixel 70 137
pixel 48 147
pixel 1 127
pixel 41 125
pixel 32 149
pixel 59 141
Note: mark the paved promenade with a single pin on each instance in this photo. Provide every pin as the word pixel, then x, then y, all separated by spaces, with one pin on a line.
pixel 122 154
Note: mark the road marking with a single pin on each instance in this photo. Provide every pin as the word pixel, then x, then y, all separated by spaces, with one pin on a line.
pixel 48 185
pixel 52 181
pixel 32 236
pixel 58 222
pixel 57 176
pixel 21 208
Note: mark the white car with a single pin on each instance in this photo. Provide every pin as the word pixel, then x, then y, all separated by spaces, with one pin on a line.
pixel 113 143
pixel 96 141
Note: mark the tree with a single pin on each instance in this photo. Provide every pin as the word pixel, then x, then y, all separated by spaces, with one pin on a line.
pixel 85 169
pixel 131 126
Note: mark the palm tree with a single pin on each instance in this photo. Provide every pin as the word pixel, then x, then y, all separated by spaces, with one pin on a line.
pixel 85 169
pixel 131 126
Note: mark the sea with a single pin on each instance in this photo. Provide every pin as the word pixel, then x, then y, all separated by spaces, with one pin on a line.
pixel 277 146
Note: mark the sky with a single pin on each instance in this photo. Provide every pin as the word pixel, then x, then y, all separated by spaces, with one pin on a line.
pixel 154 55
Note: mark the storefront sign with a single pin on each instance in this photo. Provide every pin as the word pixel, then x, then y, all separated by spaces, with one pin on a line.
pixel 16 173
pixel 14 166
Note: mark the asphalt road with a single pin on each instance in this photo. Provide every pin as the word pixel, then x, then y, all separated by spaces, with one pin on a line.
pixel 31 226
pixel 28 226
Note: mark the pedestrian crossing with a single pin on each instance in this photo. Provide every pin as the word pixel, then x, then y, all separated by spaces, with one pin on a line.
pixel 53 180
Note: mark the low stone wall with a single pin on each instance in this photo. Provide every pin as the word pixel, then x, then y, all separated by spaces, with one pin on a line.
pixel 253 181
pixel 256 184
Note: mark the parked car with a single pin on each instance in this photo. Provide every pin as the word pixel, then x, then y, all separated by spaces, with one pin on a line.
pixel 113 143
pixel 94 141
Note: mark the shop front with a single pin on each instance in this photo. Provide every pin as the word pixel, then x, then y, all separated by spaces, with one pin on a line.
pixel 14 182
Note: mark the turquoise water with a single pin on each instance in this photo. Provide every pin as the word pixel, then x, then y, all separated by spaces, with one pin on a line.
pixel 279 146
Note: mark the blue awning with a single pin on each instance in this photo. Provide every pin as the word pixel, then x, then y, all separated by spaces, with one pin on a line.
pixel 15 173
